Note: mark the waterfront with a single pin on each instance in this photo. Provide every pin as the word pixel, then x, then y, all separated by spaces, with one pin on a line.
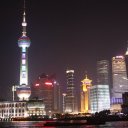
pixel 39 124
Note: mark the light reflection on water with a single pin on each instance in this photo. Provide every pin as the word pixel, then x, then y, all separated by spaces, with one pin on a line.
pixel 39 124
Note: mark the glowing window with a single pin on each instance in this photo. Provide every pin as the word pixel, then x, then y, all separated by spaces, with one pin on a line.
pixel 24 75
pixel 23 68
pixel 23 49
pixel 23 61
pixel 23 55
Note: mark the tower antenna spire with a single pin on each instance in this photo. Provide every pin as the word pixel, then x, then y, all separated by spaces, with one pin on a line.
pixel 24 90
pixel 24 6
pixel 24 24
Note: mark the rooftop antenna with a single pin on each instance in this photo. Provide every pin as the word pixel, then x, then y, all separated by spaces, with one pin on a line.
pixel 86 74
pixel 24 6
pixel 24 24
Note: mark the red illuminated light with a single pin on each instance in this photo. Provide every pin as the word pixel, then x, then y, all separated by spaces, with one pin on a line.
pixel 37 85
pixel 48 83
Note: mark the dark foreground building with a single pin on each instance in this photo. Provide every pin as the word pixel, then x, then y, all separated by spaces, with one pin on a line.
pixel 47 89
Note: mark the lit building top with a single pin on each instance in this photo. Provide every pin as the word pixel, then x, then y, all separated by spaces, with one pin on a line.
pixel 118 57
pixel 70 71
pixel 24 41
pixel 86 83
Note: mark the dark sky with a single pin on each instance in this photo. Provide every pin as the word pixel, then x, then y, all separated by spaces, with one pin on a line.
pixel 64 34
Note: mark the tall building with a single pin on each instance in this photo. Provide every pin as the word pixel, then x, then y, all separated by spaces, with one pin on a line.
pixel 103 72
pixel 99 98
pixel 119 77
pixel 126 60
pixel 23 90
pixel 47 88
pixel 25 107
pixel 85 95
pixel 70 104
pixel 124 106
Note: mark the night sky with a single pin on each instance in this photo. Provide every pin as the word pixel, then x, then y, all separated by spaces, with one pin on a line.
pixel 64 34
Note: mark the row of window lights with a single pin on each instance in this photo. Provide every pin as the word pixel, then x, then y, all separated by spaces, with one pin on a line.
pixel 12 105
pixel 12 110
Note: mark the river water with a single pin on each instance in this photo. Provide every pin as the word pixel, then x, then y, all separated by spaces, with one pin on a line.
pixel 25 124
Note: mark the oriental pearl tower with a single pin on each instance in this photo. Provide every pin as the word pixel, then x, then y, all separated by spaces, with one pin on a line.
pixel 23 90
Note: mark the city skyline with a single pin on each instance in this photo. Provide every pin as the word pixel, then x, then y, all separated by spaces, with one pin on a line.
pixel 64 35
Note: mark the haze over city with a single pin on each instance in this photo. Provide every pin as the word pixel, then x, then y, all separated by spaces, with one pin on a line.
pixel 64 35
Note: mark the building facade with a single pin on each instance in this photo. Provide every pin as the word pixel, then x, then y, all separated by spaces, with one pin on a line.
pixel 99 98
pixel 85 95
pixel 21 109
pixel 124 106
pixel 70 101
pixel 119 77
pixel 103 72
pixel 47 89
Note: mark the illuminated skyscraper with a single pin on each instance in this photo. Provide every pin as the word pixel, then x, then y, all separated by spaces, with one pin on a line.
pixel 99 98
pixel 126 60
pixel 23 90
pixel 100 93
pixel 119 76
pixel 85 95
pixel 47 88
pixel 70 95
pixel 103 72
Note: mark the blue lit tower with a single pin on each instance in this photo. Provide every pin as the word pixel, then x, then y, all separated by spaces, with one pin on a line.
pixel 23 90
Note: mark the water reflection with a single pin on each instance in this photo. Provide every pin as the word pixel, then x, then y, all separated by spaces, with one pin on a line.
pixel 40 124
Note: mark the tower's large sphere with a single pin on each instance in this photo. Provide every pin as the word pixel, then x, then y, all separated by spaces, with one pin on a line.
pixel 23 92
pixel 24 41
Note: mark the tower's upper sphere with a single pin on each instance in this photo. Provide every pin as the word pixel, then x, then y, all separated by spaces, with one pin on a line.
pixel 23 92
pixel 24 41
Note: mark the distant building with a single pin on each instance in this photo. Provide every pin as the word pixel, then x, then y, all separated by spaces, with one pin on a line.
pixel 126 60
pixel 23 90
pixel 20 109
pixel 47 88
pixel 120 82
pixel 24 107
pixel 70 101
pixel 99 98
pixel 119 77
pixel 35 107
pixel 85 95
pixel 100 93
pixel 125 103
pixel 103 72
